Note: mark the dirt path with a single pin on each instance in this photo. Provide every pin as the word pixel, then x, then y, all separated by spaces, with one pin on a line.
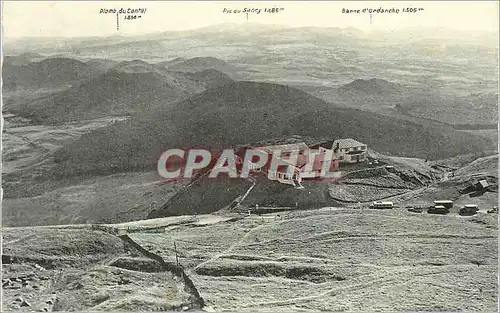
pixel 19 239
pixel 412 194
pixel 380 280
pixel 234 245
pixel 29 142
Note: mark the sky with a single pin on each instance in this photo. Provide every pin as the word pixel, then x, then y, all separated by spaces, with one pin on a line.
pixel 82 18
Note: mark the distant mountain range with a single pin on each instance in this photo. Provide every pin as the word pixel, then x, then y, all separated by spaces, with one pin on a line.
pixel 250 31
pixel 476 111
pixel 179 78
pixel 245 112
pixel 104 87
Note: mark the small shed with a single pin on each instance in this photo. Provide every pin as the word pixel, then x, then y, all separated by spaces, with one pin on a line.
pixel 482 184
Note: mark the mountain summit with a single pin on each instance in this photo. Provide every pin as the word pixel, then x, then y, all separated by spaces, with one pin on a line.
pixel 370 86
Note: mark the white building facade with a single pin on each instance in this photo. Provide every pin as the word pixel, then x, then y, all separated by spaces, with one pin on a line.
pixel 349 150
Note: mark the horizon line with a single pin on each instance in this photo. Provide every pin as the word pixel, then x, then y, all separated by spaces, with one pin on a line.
pixel 376 29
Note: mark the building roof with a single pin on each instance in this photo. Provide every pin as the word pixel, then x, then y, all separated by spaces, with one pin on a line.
pixel 347 143
pixel 285 140
pixel 285 148
pixel 483 183
pixel 383 202
pixel 327 144
pixel 443 201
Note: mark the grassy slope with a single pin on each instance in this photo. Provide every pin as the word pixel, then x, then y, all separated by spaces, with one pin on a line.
pixel 203 197
pixel 354 260
pixel 112 199
pixel 246 112
pixel 211 196
pixel 74 269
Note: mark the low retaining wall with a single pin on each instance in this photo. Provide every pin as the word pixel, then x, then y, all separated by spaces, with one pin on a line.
pixel 176 270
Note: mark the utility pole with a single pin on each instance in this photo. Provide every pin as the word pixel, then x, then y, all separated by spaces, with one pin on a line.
pixel 176 257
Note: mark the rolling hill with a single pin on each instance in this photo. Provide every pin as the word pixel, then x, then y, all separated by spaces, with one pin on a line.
pixel 245 112
pixel 48 73
pixel 22 59
pixel 134 66
pixel 127 87
pixel 209 78
pixel 202 63
pixel 370 86
pixel 414 102
pixel 102 64
pixel 168 63
pixel 113 93
pixel 376 92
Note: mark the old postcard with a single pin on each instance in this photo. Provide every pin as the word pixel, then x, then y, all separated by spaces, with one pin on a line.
pixel 273 156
